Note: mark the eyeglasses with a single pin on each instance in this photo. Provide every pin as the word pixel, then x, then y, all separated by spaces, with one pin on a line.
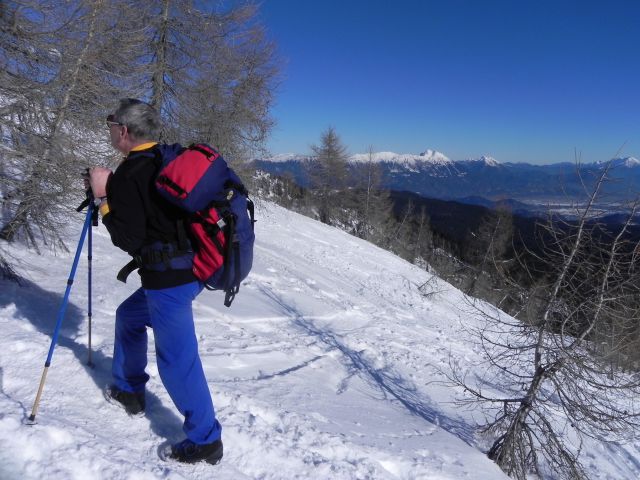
pixel 111 121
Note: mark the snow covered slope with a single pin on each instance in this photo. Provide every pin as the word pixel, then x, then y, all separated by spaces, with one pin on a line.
pixel 325 367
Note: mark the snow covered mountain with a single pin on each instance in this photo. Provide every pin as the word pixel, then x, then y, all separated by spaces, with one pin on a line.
pixel 433 174
pixel 428 157
pixel 329 365
pixel 627 162
pixel 484 161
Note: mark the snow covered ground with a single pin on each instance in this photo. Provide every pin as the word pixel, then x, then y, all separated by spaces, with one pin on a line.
pixel 325 367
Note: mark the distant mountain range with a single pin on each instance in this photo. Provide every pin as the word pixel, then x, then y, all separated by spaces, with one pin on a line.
pixel 481 181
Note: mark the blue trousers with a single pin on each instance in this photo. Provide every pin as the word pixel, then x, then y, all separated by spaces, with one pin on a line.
pixel 169 313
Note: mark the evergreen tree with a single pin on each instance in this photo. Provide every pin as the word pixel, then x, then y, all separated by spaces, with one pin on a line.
pixel 328 175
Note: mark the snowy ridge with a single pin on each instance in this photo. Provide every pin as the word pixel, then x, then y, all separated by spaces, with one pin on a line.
pixel 287 157
pixel 428 156
pixel 437 158
pixel 327 366
pixel 485 160
pixel 628 162
pixel 409 160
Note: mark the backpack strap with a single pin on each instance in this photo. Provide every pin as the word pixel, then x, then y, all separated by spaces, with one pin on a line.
pixel 233 248
pixel 127 270
pixel 158 257
pixel 226 224
pixel 231 290
pixel 251 210
pixel 204 149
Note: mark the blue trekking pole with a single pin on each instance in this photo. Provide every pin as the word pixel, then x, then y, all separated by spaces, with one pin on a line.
pixel 63 307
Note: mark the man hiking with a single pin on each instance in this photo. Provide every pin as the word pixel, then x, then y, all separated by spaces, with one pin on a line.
pixel 149 228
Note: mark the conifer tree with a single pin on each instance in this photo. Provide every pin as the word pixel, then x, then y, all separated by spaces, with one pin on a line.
pixel 328 175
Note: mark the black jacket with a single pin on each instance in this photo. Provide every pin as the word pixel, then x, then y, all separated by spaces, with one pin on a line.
pixel 139 216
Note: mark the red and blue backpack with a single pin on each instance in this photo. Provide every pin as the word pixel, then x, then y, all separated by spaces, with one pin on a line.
pixel 220 218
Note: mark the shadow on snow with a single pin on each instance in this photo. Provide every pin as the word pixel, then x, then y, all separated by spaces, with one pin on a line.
pixel 41 308
pixel 390 383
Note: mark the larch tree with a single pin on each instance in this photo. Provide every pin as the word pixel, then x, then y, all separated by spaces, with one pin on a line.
pixel 211 73
pixel 64 64
pixel 53 88
pixel 371 203
pixel 328 175
pixel 557 384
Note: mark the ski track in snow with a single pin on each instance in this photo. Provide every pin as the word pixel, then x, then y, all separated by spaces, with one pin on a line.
pixel 323 368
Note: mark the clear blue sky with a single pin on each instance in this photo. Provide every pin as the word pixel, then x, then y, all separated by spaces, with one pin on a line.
pixel 522 81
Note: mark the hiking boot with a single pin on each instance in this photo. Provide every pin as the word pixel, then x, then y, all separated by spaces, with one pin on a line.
pixel 132 402
pixel 188 452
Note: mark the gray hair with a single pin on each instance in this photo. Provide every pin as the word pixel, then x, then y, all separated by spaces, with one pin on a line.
pixel 140 118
